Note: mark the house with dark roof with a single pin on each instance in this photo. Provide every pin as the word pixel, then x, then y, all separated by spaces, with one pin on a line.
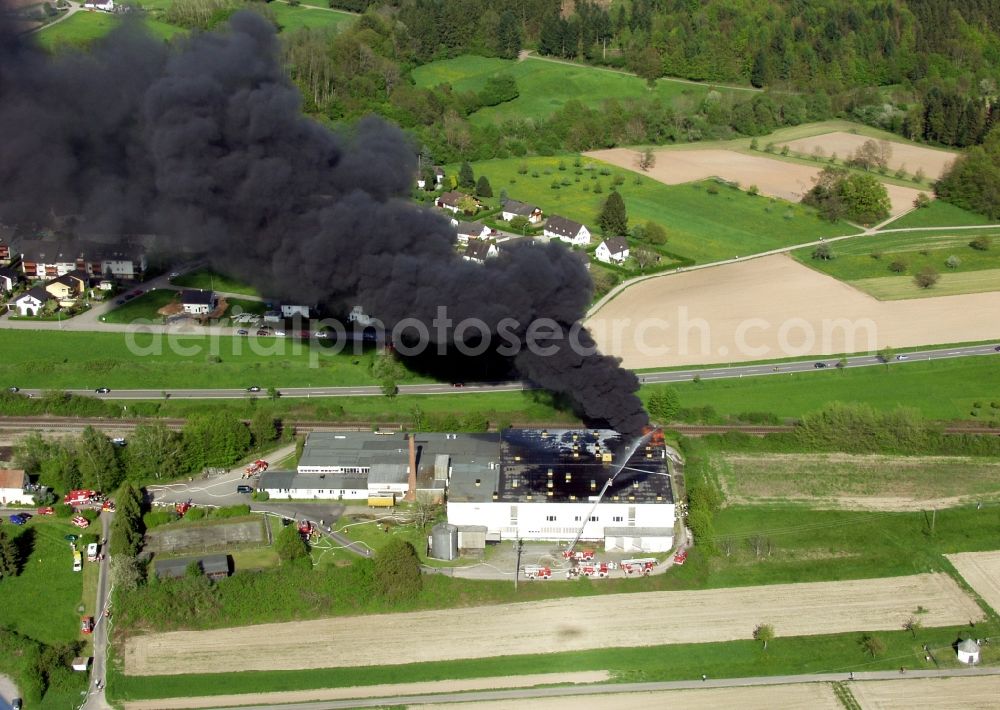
pixel 198 303
pixel 69 287
pixel 479 250
pixel 438 178
pixel 513 208
pixel 567 230
pixel 452 199
pixel 8 279
pixel 47 259
pixel 212 566
pixel 32 302
pixel 471 230
pixel 613 250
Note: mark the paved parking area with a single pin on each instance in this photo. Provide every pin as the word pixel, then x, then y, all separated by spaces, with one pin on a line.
pixel 205 537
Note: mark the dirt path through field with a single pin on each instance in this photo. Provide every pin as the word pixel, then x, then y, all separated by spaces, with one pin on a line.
pixel 982 571
pixel 774 178
pixel 370 691
pixel 774 307
pixel 972 693
pixel 814 696
pixel 908 157
pixel 641 619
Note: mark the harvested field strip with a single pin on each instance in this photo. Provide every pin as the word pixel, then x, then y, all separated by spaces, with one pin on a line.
pixel 981 570
pixel 902 155
pixel 815 696
pixel 968 693
pixel 557 625
pixel 858 481
pixel 774 178
pixel 371 691
pixel 773 307
pixel 894 288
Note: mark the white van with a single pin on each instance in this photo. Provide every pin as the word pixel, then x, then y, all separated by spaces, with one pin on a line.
pixel 92 552
pixel 77 561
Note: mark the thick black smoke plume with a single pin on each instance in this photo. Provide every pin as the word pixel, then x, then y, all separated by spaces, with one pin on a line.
pixel 203 140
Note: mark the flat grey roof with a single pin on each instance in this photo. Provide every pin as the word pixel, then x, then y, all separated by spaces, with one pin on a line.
pixel 210 564
pixel 291 480
pixel 353 449
pixel 388 473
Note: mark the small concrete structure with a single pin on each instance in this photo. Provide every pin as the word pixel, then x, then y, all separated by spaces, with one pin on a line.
pixel 81 663
pixel 968 651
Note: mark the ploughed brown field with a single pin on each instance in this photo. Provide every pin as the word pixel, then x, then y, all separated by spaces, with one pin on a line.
pixel 556 625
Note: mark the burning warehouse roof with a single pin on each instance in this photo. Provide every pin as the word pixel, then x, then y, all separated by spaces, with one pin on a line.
pixel 574 465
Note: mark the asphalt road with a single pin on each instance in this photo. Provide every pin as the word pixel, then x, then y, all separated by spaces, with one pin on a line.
pixel 712 373
pixel 8 691
pixel 96 699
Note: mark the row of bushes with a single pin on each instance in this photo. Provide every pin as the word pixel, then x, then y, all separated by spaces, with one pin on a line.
pixel 162 516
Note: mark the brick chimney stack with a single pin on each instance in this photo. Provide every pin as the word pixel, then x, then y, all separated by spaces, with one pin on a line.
pixel 411 491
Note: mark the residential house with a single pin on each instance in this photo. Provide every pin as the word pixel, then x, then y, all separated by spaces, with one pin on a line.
pixel 13 482
pixel 358 315
pixel 288 310
pixel 102 5
pixel 479 251
pixel 450 201
pixel 32 302
pixel 68 288
pixel 8 279
pixel 567 230
pixel 471 230
pixel 513 208
pixel 613 250
pixel 438 178
pixel 199 303
pixel 41 259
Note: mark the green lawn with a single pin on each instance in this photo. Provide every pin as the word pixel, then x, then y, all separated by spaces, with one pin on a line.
pixel 142 308
pixel 42 601
pixel 940 214
pixel 545 86
pixel 837 653
pixel 84 27
pixel 242 305
pixel 941 389
pixel 865 263
pixel 700 226
pixel 294 18
pixel 64 360
pixel 856 258
pixel 209 280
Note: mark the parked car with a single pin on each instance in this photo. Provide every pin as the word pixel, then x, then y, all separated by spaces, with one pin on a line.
pixel 242 488
pixel 997 348
pixel 254 388
pixel 87 624
pixel 47 510
pixel 16 704
pixel 20 518
pixel 102 390
pixel 15 390
pixel 458 384
pixel 902 357
pixel 243 331
pixel 279 333
pixel 819 365
pixel 173 275
pixel 137 292
pixel 263 332
pixel 120 301
pixel 118 441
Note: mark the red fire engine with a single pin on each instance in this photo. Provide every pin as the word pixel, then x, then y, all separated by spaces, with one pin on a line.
pixel 537 572
pixel 642 565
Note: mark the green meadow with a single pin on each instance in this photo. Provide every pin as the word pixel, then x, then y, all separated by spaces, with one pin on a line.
pixel 705 221
pixel 940 214
pixel 939 389
pixel 546 86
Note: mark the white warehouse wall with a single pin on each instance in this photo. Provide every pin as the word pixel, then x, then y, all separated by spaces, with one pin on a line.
pixel 533 518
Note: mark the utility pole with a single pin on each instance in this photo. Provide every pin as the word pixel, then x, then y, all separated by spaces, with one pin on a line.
pixel 517 569
pixel 933 520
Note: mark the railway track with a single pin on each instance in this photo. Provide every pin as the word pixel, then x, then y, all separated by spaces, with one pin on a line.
pixel 73 424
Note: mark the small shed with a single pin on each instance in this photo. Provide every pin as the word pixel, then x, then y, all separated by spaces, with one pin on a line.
pixel 968 651
pixel 213 566
pixel 81 663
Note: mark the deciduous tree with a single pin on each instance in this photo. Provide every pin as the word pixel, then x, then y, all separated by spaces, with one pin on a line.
pixel 397 570
pixel 763 633
pixel 664 404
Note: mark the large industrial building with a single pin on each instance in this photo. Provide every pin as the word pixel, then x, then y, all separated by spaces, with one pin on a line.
pixel 524 484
